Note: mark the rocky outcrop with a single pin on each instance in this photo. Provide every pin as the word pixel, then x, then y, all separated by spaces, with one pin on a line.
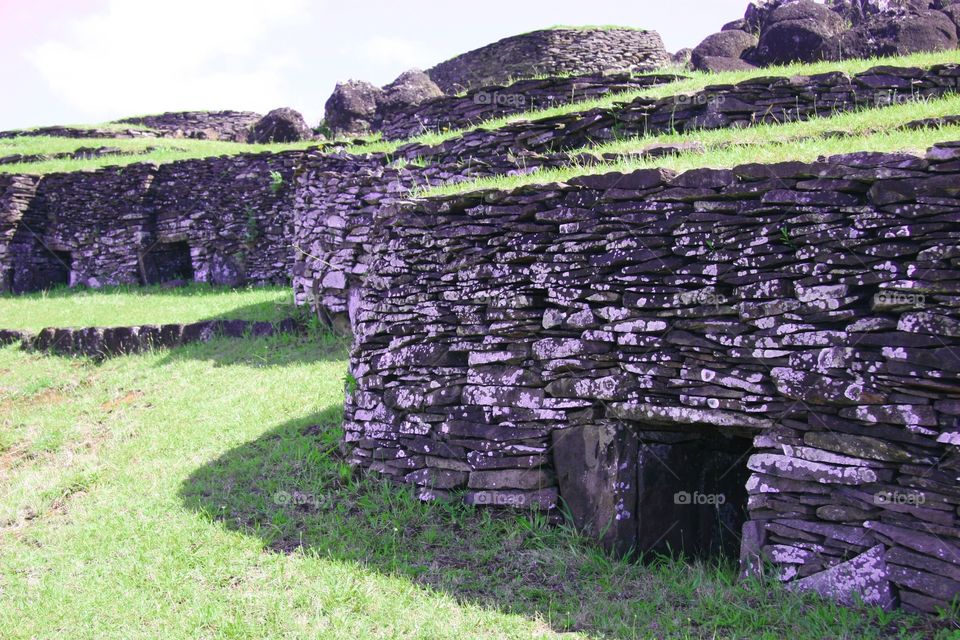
pixel 760 357
pixel 810 30
pixel 280 125
pixel 723 51
pixel 800 30
pixel 552 52
pixel 411 89
pixel 352 108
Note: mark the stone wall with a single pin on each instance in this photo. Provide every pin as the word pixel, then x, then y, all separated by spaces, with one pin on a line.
pixel 763 359
pixel 221 220
pixel 16 192
pixel 551 52
pixel 754 101
pixel 233 126
pixel 492 101
pixel 338 198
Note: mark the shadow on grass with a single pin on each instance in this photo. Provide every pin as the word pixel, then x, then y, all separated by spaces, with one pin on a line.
pixel 294 490
pixel 279 350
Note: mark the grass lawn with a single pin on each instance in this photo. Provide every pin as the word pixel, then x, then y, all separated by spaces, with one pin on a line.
pixel 119 306
pixel 200 493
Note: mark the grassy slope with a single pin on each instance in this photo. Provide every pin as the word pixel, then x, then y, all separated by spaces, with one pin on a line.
pixel 117 306
pixel 198 493
pixel 867 130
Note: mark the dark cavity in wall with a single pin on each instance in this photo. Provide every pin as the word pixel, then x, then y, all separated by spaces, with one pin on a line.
pixel 168 262
pixel 671 492
pixel 49 268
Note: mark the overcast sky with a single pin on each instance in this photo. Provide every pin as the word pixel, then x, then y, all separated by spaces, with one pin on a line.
pixel 88 61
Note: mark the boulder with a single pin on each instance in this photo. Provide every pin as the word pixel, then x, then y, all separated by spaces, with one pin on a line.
pixel 725 44
pixel 736 25
pixel 352 107
pixel 595 468
pixel 412 88
pixel 227 270
pixel 682 57
pixel 798 32
pixel 900 35
pixel 280 125
pixel 953 12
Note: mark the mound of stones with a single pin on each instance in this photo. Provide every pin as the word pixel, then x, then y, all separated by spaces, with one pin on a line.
pixel 358 108
pixel 765 357
pixel 784 31
pixel 552 52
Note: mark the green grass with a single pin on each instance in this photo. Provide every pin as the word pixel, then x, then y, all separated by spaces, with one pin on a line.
pixel 806 141
pixel 199 493
pixel 118 306
pixel 163 150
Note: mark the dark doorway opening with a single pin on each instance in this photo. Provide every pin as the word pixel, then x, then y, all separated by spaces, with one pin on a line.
pixel 168 262
pixel 691 492
pixel 50 269
pixel 669 492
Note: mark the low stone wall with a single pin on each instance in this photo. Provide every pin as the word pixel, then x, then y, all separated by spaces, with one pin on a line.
pixel 755 101
pixel 223 220
pixel 551 52
pixel 103 342
pixel 233 126
pixel 16 193
pixel 762 359
pixel 492 101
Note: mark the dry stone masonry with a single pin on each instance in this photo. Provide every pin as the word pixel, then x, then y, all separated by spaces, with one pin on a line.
pixel 552 52
pixel 491 101
pixel 337 198
pixel 104 342
pixel 763 360
pixel 218 220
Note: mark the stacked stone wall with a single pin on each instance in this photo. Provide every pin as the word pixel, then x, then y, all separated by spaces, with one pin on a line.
pixel 492 101
pixel 768 352
pixel 551 52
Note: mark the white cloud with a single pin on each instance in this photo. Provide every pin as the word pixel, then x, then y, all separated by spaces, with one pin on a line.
pixel 397 52
pixel 139 57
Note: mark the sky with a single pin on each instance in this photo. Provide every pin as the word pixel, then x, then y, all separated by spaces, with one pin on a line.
pixel 90 61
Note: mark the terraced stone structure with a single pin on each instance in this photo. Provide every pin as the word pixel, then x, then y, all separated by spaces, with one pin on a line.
pixel 492 101
pixel 763 360
pixel 219 220
pixel 337 198
pixel 552 52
